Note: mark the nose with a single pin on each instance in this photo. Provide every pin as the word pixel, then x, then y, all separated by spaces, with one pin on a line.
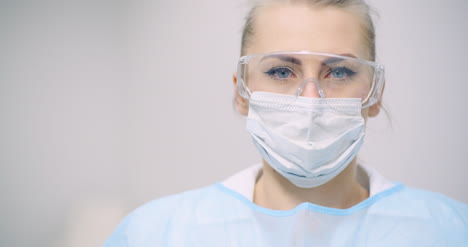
pixel 310 90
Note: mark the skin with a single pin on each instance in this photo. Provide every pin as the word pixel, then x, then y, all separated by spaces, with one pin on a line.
pixel 295 28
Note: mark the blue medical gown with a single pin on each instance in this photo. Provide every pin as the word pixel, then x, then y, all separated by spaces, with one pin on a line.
pixel 218 216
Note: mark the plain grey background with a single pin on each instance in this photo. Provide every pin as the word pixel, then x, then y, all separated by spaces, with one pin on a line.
pixel 105 105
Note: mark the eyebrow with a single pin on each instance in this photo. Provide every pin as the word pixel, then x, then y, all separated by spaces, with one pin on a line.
pixel 337 59
pixel 285 58
pixel 294 60
pixel 348 55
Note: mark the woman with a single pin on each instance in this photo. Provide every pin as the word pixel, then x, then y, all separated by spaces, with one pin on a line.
pixel 307 82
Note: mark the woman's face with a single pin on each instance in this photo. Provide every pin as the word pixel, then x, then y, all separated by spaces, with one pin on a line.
pixel 299 27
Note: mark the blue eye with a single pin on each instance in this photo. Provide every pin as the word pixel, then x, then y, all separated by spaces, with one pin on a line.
pixel 340 73
pixel 280 73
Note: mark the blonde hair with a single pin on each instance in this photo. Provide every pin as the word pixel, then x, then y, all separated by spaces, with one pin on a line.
pixel 359 7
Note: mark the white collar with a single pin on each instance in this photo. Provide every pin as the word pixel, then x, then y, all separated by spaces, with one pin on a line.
pixel 243 182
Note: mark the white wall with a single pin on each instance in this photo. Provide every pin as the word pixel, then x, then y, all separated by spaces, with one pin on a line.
pixel 105 105
pixel 423 46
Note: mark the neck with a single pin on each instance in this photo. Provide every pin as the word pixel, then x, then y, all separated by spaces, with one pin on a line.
pixel 274 191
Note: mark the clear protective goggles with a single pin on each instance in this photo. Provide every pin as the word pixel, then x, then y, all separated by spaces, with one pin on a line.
pixel 310 74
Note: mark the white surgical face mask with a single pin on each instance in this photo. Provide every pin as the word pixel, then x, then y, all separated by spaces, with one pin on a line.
pixel 308 141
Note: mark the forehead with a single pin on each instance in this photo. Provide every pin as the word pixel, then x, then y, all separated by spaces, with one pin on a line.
pixel 300 27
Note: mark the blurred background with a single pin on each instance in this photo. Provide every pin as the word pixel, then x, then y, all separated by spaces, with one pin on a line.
pixel 105 105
